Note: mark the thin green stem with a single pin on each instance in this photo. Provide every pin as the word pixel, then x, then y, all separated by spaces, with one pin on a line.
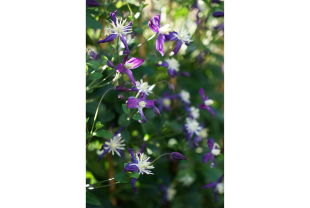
pixel 131 13
pixel 105 185
pixel 160 157
pixel 144 42
pixel 110 179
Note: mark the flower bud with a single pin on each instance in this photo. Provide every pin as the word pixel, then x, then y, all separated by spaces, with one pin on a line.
pixel 178 156
pixel 121 89
pixel 92 55
pixel 185 74
pixel 156 111
pixel 171 87
pixel 110 64
pixel 120 97
pixel 218 14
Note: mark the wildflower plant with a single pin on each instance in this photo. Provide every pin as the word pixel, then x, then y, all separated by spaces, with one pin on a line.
pixel 154 99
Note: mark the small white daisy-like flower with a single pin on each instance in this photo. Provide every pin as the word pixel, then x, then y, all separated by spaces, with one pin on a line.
pixel 115 144
pixel 195 112
pixel 185 96
pixel 187 180
pixel 171 192
pixel 183 35
pixel 173 64
pixel 143 164
pixel 120 28
pixel 192 126
pixel 144 87
pixel 220 187
pixel 117 76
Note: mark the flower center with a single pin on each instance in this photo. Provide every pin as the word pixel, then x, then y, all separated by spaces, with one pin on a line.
pixel 220 187
pixel 215 152
pixel 165 29
pixel 204 133
pixel 183 35
pixel 209 102
pixel 128 65
pixel 192 126
pixel 142 104
pixel 166 102
pixel 173 64
pixel 119 28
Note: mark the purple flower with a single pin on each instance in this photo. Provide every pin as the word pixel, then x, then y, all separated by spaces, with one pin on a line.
pixel 194 112
pixel 214 151
pixel 165 101
pixel 182 36
pixel 140 103
pixel 172 65
pixel 178 156
pixel 206 102
pixel 127 65
pixel 138 164
pixel 218 187
pixel 120 97
pixel 118 29
pixel 218 14
pixel 114 145
pixel 92 3
pixel 216 1
pixel 154 24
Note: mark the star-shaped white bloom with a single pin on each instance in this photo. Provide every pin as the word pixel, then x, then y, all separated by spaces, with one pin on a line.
pixel 192 126
pixel 120 28
pixel 185 96
pixel 187 180
pixel 114 144
pixel 143 164
pixel 144 87
pixel 183 35
pixel 195 112
pixel 173 64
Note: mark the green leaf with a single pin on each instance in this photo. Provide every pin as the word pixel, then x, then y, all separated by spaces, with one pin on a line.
pixel 138 30
pixel 104 57
pixel 93 64
pixel 135 175
pixel 99 125
pixel 87 119
pixel 87 56
pixel 125 109
pixel 91 22
pixel 122 177
pixel 145 22
pixel 92 199
pixel 103 133
pixel 87 135
pixel 95 75
pixel 125 164
pixel 137 117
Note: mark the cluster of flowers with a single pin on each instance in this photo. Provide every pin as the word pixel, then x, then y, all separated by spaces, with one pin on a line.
pixel 142 164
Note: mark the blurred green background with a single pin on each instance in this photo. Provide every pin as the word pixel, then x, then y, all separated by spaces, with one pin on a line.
pixel 203 59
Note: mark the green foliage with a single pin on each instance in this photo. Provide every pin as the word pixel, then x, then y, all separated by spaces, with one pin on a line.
pixel 103 133
pixel 92 199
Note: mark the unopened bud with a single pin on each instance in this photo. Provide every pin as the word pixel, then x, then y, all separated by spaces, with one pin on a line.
pixel 178 156
pixel 110 64
pixel 185 74
pixel 171 87
pixel 156 111
pixel 121 89
pixel 120 97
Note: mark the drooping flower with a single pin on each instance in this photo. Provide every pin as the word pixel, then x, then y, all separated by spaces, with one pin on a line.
pixel 182 36
pixel 218 14
pixel 165 101
pixel 214 151
pixel 139 164
pixel 187 180
pixel 172 65
pixel 218 187
pixel 155 26
pixel 143 87
pixel 113 145
pixel 184 95
pixel 206 102
pixel 191 127
pixel 140 103
pixel 127 65
pixel 118 29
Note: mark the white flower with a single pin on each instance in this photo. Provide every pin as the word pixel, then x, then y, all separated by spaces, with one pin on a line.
pixel 114 144
pixel 187 180
pixel 171 192
pixel 183 35
pixel 220 187
pixel 214 151
pixel 173 64
pixel 144 87
pixel 119 28
pixel 185 96
pixel 195 112
pixel 117 76
pixel 143 164
pixel 192 126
